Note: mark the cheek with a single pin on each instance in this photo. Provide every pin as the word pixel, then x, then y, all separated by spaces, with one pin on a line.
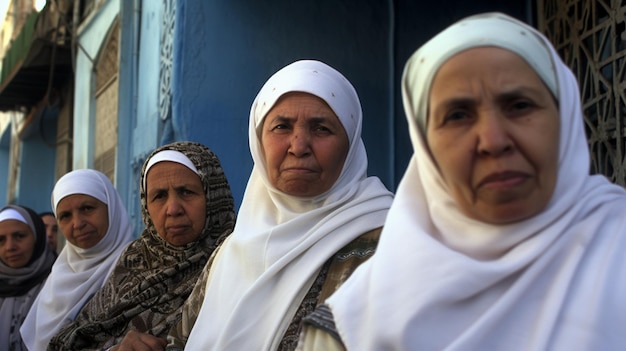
pixel 338 152
pixel 29 247
pixel 155 216
pixel 104 224
pixel 444 156
pixel 200 218
pixel 454 163
pixel 65 230
pixel 272 156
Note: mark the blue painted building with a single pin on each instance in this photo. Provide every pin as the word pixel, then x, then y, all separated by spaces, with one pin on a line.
pixel 144 73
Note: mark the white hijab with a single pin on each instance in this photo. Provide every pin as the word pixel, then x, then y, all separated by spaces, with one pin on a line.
pixel 442 281
pixel 264 269
pixel 77 273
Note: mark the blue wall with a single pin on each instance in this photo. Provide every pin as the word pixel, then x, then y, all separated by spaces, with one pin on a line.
pixel 37 166
pixel 225 51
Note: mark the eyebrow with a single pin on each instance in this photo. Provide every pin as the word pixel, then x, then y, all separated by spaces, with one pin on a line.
pixel 314 119
pixel 500 98
pixel 178 187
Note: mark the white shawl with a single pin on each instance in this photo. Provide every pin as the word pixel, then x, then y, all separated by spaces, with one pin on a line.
pixel 264 269
pixel 77 273
pixel 442 281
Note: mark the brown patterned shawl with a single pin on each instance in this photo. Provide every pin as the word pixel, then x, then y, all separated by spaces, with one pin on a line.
pixel 152 278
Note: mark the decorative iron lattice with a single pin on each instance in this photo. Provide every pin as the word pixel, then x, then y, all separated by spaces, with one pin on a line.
pixel 590 36
pixel 167 54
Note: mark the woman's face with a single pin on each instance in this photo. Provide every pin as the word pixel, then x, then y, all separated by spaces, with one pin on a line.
pixel 83 219
pixel 305 145
pixel 17 243
pixel 493 131
pixel 176 202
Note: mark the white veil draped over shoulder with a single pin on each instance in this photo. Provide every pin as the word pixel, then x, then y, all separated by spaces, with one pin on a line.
pixel 280 242
pixel 443 281
pixel 77 273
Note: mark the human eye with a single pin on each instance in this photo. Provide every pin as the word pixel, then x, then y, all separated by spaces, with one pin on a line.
pixel 62 216
pixel 320 128
pixel 456 116
pixel 157 195
pixel 187 191
pixel 521 106
pixel 87 208
pixel 280 128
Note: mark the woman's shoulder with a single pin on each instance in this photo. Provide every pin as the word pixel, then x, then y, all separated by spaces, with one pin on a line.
pixel 319 331
pixel 348 259
pixel 361 248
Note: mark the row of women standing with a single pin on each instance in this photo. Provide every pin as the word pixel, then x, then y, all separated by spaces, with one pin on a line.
pixel 104 284
pixel 498 238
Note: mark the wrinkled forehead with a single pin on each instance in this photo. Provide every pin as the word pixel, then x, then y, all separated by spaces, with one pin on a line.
pixel 317 79
pixel 487 30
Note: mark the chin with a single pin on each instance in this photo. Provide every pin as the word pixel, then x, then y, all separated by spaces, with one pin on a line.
pixel 502 216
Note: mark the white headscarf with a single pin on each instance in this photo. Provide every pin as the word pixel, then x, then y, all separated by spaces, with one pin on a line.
pixel 442 281
pixel 264 269
pixel 77 273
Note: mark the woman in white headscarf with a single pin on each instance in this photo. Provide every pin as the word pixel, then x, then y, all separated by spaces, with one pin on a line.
pixel 25 262
pixel 309 215
pixel 84 201
pixel 498 238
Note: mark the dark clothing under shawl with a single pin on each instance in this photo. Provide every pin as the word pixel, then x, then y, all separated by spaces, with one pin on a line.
pixel 152 279
pixel 19 286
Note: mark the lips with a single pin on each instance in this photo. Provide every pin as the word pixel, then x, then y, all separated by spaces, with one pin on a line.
pixel 83 236
pixel 13 258
pixel 176 229
pixel 298 170
pixel 503 179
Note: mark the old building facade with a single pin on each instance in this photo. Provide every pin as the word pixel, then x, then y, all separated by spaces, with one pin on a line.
pixel 139 74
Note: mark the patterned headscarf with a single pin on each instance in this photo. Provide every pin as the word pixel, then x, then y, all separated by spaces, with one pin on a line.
pixel 152 279
pixel 19 286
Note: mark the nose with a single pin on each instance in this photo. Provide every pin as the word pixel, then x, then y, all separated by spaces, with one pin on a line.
pixel 493 135
pixel 174 207
pixel 78 222
pixel 300 143
pixel 11 244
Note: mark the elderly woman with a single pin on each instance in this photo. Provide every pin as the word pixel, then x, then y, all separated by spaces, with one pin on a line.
pixel 309 215
pixel 25 262
pixel 188 211
pixel 498 238
pixel 95 224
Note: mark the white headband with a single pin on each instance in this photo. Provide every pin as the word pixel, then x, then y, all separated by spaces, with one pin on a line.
pixel 170 156
pixel 10 213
